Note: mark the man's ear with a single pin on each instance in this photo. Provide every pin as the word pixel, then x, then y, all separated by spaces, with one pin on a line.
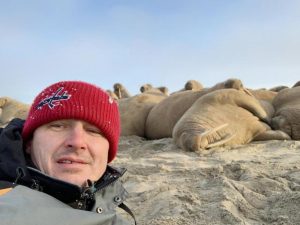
pixel 28 146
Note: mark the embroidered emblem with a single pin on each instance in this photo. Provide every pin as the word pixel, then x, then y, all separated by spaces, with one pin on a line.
pixel 55 99
pixel 110 100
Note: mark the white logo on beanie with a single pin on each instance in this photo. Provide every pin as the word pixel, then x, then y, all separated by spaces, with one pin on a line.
pixel 54 99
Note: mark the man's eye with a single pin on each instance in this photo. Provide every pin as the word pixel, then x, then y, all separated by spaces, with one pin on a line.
pixel 56 125
pixel 94 131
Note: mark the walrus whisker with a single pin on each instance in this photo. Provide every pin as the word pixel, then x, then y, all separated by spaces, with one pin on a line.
pixel 221 142
pixel 208 132
pixel 207 135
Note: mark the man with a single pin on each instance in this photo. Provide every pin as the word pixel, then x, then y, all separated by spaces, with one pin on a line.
pixel 54 167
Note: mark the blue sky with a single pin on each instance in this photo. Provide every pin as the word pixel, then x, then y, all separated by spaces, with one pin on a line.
pixel 162 42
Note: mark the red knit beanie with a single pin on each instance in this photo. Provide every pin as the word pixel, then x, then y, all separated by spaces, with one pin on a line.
pixel 76 100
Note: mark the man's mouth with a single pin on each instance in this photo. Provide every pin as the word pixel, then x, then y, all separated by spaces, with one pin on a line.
pixel 65 161
pixel 71 161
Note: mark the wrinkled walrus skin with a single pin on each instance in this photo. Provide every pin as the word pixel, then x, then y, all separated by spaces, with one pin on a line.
pixel 224 117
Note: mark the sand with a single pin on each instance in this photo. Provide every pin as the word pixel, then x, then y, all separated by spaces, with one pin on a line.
pixel 257 183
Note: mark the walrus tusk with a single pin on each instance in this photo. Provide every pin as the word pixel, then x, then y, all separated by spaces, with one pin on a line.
pixel 213 130
pixel 248 92
pixel 220 142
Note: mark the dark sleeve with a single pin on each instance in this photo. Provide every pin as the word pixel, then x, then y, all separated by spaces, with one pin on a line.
pixel 12 158
pixel 6 184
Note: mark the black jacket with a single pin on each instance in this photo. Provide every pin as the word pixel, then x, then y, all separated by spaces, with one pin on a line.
pixel 16 168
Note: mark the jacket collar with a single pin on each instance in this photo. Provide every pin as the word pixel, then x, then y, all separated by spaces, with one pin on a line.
pixel 58 188
pixel 15 167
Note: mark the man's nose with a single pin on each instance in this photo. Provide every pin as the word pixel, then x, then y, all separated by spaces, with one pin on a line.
pixel 76 138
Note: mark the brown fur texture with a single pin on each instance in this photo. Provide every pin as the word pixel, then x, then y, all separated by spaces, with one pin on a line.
pixel 287 112
pixel 10 109
pixel 224 117
pixel 163 116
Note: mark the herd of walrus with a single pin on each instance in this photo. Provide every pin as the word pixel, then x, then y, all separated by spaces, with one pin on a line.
pixel 197 117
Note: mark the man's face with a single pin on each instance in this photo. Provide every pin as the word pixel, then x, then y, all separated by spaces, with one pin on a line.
pixel 70 150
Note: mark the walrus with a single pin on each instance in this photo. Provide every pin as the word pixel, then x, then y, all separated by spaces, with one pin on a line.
pixel 149 88
pixel 134 112
pixel 263 94
pixel 223 117
pixel 112 94
pixel 11 108
pixel 163 116
pixel 190 85
pixel 193 85
pixel 120 91
pixel 287 112
pixel 296 84
pixel 278 88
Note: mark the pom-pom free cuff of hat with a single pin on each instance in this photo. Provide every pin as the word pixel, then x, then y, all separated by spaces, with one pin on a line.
pixel 76 100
